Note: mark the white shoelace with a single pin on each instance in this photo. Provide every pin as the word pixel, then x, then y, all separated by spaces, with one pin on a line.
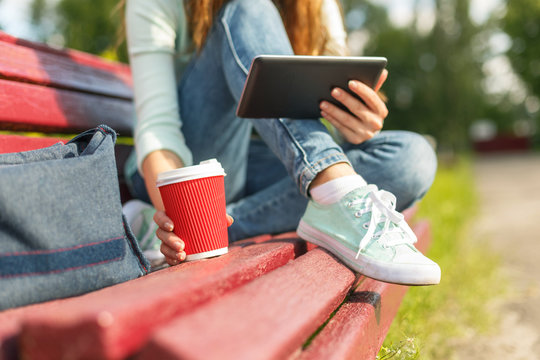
pixel 382 205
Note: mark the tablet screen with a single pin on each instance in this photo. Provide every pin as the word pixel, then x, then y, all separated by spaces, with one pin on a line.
pixel 293 86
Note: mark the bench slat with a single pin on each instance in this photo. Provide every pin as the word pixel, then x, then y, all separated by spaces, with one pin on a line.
pixel 269 318
pixel 358 329
pixel 76 56
pixel 114 322
pixel 38 108
pixel 16 143
pixel 63 69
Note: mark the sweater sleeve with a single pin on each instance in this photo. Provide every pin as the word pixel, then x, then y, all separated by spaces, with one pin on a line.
pixel 154 30
pixel 333 21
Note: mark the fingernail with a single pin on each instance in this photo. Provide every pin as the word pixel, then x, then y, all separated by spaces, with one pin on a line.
pixel 355 84
pixel 336 92
pixel 179 246
pixel 324 105
pixel 181 256
pixel 168 226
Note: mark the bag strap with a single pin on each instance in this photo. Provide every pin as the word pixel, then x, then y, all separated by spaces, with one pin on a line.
pixel 89 140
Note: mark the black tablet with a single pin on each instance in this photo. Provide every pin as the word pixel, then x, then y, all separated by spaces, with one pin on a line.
pixel 293 86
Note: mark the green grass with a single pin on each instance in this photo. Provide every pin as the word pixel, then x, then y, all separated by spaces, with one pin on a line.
pixel 430 317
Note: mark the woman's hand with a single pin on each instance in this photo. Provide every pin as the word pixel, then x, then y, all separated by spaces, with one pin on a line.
pixel 171 245
pixel 366 118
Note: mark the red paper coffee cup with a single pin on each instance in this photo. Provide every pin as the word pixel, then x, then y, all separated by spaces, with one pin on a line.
pixel 194 199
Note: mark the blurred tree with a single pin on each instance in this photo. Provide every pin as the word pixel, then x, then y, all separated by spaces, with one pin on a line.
pixel 435 78
pixel 522 24
pixel 87 25
pixel 0 23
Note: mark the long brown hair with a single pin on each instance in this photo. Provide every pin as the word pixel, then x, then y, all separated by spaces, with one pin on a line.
pixel 302 20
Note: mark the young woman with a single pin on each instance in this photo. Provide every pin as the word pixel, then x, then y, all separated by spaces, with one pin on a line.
pixel 189 62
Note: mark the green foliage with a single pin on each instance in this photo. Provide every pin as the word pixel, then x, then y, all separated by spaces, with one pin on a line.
pixel 93 26
pixel 522 23
pixel 89 25
pixel 435 82
pixel 38 9
pixel 429 317
pixel 435 78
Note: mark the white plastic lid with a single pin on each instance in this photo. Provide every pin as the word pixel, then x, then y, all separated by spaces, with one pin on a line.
pixel 205 168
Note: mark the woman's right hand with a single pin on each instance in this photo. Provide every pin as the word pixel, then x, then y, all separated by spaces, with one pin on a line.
pixel 171 245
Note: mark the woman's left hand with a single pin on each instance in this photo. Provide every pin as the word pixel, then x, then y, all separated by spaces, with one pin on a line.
pixel 365 119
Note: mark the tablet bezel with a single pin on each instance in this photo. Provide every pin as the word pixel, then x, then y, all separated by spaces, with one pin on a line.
pixel 280 86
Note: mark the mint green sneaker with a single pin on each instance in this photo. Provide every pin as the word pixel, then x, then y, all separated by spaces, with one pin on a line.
pixel 365 231
pixel 140 217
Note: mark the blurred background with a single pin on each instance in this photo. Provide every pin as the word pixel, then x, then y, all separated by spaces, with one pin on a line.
pixel 466 74
pixel 462 71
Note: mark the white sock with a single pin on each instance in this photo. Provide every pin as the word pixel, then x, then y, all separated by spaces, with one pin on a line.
pixel 333 190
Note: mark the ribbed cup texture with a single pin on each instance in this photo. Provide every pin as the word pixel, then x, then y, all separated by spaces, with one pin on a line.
pixel 197 209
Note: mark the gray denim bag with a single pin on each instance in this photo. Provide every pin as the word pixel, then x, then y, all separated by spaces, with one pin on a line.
pixel 62 232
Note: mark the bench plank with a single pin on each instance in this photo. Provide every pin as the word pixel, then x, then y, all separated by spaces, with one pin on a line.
pixel 38 108
pixel 76 56
pixel 27 62
pixel 114 322
pixel 359 327
pixel 17 143
pixel 269 318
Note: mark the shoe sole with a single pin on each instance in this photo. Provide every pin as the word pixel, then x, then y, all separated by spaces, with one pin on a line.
pixel 402 274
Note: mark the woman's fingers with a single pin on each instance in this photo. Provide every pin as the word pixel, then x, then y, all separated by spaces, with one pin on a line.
pixel 171 245
pixel 365 117
pixel 354 132
pixel 355 128
pixel 368 95
pixel 163 221
pixel 382 79
pixel 172 256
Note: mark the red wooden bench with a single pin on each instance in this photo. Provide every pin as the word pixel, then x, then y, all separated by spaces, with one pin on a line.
pixel 271 297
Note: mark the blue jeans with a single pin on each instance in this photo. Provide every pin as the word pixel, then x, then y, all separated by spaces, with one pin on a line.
pixel 267 180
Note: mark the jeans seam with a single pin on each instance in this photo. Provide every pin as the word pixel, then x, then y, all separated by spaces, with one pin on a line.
pixel 230 42
pixel 313 167
pixel 300 149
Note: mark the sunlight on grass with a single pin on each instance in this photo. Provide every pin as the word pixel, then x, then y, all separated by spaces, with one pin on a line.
pixel 123 140
pixel 430 317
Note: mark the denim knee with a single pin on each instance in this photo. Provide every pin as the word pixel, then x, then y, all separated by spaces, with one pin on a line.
pixel 421 164
pixel 401 162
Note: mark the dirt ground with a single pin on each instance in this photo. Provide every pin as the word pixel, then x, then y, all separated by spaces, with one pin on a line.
pixel 509 217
